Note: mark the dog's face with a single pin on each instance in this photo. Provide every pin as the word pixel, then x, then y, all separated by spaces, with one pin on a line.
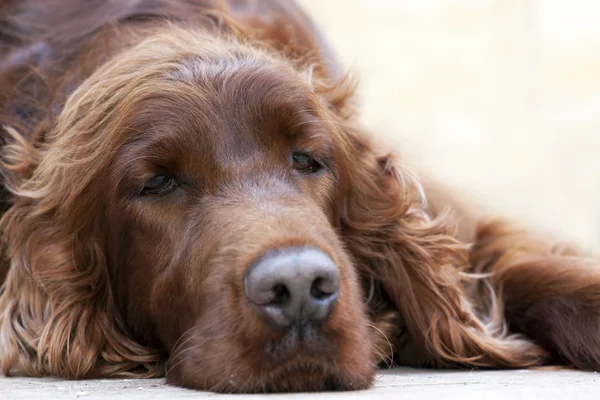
pixel 209 202
pixel 222 218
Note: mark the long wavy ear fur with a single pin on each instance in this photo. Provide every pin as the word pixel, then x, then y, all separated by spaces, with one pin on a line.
pixel 57 316
pixel 421 269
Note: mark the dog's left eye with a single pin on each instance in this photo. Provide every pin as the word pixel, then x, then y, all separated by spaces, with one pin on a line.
pixel 305 162
pixel 160 184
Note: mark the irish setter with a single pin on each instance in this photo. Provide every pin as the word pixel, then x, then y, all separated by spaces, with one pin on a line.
pixel 188 193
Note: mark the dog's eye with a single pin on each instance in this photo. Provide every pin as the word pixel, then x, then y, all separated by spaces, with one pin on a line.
pixel 160 184
pixel 305 162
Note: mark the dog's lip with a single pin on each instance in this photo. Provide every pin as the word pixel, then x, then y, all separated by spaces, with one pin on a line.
pixel 323 375
pixel 305 366
pixel 306 343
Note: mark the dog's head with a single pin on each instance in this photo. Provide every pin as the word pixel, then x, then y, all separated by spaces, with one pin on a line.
pixel 222 221
pixel 216 202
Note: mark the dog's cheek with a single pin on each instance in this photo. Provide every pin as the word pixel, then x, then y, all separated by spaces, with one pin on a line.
pixel 222 351
pixel 356 347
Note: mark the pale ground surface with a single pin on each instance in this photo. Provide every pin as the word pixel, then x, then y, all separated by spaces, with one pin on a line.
pixel 501 98
pixel 405 384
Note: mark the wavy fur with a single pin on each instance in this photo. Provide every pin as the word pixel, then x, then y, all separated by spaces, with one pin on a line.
pixel 96 286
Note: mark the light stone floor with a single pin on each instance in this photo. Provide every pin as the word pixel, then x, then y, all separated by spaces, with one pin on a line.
pixel 404 384
pixel 500 98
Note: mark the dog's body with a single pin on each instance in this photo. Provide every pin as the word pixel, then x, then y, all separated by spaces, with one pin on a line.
pixel 186 184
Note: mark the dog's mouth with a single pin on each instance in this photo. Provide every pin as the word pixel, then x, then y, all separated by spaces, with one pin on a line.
pixel 305 341
pixel 300 359
pixel 312 336
pixel 298 375
pixel 306 377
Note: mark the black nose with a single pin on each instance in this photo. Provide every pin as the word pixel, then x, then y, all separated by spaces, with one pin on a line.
pixel 293 286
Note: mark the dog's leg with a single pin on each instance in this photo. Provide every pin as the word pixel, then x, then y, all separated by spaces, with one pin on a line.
pixel 551 293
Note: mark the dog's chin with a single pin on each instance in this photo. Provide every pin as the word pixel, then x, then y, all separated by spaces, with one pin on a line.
pixel 294 377
pixel 304 377
pixel 284 366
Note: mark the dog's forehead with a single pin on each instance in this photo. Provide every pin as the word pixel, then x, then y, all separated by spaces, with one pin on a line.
pixel 228 115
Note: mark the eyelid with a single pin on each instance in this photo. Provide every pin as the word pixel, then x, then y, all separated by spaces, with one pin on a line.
pixel 325 160
pixel 319 145
pixel 168 185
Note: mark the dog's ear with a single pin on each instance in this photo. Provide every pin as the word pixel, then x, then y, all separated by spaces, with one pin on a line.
pixel 57 315
pixel 288 30
pixel 419 266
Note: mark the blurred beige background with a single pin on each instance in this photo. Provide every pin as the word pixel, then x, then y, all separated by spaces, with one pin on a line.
pixel 500 98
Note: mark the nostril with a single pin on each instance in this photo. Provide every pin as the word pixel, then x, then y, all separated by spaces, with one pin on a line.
pixel 281 295
pixel 320 290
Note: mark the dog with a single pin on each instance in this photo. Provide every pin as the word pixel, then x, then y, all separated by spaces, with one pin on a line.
pixel 187 191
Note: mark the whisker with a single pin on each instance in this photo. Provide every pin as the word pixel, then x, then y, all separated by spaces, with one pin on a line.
pixel 391 357
pixel 179 344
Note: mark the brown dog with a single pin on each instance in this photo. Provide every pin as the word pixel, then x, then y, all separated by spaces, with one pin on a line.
pixel 189 193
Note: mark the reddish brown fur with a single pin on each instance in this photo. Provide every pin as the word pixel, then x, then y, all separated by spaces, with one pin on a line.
pixel 98 97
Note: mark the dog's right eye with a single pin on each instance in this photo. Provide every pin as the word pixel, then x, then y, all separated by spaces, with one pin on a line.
pixel 305 162
pixel 160 184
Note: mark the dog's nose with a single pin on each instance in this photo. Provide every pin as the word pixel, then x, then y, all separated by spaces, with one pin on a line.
pixel 293 286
